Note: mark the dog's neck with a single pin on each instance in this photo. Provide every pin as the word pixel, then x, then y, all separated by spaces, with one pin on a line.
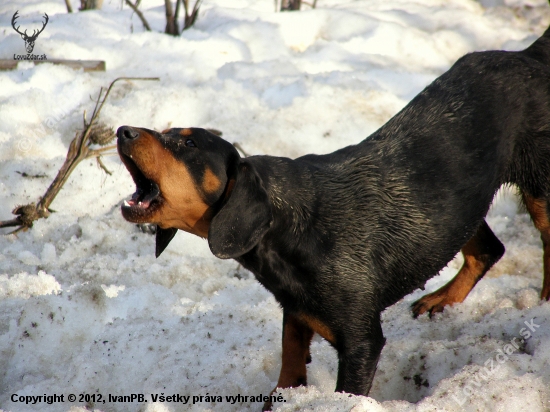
pixel 290 190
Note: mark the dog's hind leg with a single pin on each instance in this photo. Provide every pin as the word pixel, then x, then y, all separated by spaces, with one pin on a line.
pixel 296 340
pixel 539 209
pixel 481 252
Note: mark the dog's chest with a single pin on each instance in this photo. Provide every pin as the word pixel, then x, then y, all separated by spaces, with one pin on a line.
pixel 288 281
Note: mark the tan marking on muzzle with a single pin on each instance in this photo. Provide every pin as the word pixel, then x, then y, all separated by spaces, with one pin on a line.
pixel 183 207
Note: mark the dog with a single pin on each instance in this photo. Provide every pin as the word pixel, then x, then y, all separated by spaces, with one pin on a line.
pixel 337 238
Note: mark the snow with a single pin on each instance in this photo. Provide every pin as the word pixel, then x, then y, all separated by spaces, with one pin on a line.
pixel 85 308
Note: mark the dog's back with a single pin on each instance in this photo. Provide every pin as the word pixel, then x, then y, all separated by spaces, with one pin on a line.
pixel 422 184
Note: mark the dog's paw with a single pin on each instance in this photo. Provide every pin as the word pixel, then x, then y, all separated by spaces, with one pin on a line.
pixel 432 303
pixel 267 406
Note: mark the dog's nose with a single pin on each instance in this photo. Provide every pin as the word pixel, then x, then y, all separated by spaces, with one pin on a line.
pixel 127 132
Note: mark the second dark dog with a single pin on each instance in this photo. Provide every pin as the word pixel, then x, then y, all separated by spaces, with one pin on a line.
pixel 337 238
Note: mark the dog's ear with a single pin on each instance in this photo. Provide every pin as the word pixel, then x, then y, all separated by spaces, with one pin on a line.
pixel 244 218
pixel 164 236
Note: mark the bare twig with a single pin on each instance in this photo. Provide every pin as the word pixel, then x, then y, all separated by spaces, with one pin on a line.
pixel 215 131
pixel 290 5
pixel 10 223
pixel 99 152
pixel 69 7
pixel 190 18
pixel 134 7
pixel 100 163
pixel 186 9
pixel 79 149
pixel 240 149
pixel 171 23
pixel 90 4
pixel 177 13
pixel 312 5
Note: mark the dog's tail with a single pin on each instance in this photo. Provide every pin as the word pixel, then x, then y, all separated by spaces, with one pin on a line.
pixel 540 49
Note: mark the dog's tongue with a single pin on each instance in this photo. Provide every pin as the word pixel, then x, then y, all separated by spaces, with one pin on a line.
pixel 135 198
pixel 145 203
pixel 143 200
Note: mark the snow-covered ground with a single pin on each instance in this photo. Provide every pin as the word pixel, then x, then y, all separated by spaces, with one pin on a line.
pixel 85 308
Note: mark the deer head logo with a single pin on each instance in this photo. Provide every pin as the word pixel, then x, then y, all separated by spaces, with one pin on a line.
pixel 29 40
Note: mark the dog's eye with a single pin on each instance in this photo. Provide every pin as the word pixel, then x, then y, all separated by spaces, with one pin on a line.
pixel 190 143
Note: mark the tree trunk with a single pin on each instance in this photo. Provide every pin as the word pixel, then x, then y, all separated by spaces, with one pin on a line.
pixel 288 5
pixel 171 23
pixel 90 4
pixel 190 17
pixel 69 7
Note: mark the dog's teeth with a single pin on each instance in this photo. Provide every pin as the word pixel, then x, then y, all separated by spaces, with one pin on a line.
pixel 139 204
pixel 126 204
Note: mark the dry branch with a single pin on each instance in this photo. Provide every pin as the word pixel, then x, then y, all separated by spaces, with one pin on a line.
pixel 69 7
pixel 86 65
pixel 240 149
pixel 312 5
pixel 134 7
pixel 290 5
pixel 190 17
pixel 171 23
pixel 80 148
pixel 90 5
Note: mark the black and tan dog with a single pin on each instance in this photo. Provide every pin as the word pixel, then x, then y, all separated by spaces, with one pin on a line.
pixel 337 238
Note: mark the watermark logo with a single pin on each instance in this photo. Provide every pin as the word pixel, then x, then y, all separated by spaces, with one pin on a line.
pixel 64 107
pixel 29 40
pixel 492 364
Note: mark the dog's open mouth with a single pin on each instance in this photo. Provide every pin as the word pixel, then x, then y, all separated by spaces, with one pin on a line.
pixel 144 196
pixel 147 197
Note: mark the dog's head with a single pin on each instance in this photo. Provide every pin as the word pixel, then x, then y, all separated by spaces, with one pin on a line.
pixel 193 180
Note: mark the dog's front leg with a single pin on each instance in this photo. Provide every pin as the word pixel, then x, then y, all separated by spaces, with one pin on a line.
pixel 296 340
pixel 357 359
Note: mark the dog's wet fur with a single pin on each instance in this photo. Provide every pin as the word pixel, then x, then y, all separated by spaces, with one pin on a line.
pixel 339 237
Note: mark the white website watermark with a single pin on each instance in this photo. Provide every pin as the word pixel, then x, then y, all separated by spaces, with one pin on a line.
pixel 492 364
pixel 46 126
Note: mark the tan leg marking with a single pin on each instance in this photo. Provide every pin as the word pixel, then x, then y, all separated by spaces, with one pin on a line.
pixel 296 340
pixel 538 209
pixel 319 327
pixel 477 261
